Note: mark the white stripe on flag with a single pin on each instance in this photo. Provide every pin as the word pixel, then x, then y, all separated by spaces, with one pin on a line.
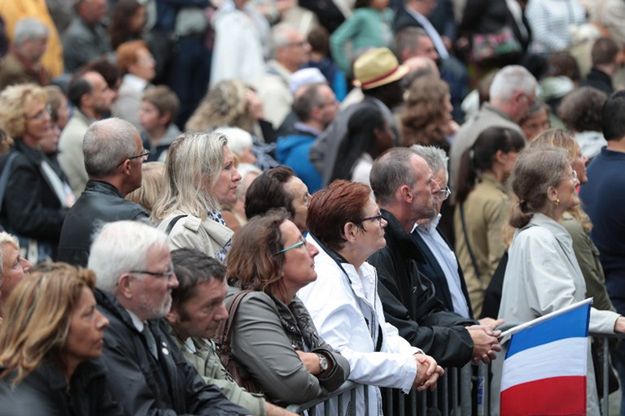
pixel 565 357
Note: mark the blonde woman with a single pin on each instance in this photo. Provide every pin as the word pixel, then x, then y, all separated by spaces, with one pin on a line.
pixel 36 199
pixel 200 176
pixel 48 350
pixel 152 185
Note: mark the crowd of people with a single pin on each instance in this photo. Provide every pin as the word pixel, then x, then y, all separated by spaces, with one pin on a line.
pixel 234 206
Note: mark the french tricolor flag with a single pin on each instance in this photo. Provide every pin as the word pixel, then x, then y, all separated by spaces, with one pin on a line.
pixel 544 372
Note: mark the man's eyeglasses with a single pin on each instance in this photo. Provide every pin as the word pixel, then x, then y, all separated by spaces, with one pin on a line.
pixel 443 193
pixel 143 156
pixel 377 218
pixel 291 247
pixel 167 275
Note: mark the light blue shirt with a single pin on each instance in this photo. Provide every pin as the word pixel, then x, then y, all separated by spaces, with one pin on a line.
pixel 447 261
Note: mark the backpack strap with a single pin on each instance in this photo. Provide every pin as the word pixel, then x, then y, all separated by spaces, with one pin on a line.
pixel 466 240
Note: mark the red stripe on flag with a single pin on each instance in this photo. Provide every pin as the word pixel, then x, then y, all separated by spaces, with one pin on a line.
pixel 549 396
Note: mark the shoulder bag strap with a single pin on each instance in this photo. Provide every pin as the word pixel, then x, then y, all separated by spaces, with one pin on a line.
pixel 4 176
pixel 224 336
pixel 466 240
pixel 173 222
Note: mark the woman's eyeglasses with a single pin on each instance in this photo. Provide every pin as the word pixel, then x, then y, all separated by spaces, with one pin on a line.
pixel 377 218
pixel 291 247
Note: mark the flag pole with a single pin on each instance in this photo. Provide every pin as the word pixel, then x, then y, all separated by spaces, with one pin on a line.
pixel 515 329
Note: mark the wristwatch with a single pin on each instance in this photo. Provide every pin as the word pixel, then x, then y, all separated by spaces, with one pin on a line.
pixel 323 363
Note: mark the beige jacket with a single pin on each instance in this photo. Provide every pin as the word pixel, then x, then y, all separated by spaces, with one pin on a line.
pixel 208 236
pixel 486 211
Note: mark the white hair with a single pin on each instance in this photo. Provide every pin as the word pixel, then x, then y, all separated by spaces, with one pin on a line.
pixel 120 247
pixel 238 139
pixel 510 79
pixel 434 156
pixel 28 28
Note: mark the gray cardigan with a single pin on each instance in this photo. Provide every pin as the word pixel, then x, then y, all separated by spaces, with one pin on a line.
pixel 265 335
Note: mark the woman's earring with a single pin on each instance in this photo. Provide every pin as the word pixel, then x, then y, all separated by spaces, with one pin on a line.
pixel 557 201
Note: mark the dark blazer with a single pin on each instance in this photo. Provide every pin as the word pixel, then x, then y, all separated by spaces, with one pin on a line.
pixel 45 391
pixel 30 207
pixel 404 19
pixel 430 267
pixel 410 303
pixel 100 203
pixel 599 80
pixel 145 385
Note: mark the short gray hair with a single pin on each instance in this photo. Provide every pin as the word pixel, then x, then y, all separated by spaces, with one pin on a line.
pixel 6 238
pixel 435 157
pixel 510 79
pixel 106 144
pixel 280 36
pixel 389 172
pixel 120 247
pixel 28 28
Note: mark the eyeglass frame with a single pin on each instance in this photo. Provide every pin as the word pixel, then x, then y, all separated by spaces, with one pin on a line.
pixel 144 155
pixel 299 244
pixel 377 217
pixel 41 115
pixel 446 192
pixel 168 274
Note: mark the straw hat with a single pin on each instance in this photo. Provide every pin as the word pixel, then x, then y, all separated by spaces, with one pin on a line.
pixel 377 67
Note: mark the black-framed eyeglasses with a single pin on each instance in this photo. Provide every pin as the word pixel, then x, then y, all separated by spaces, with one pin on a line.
pixel 377 218
pixel 444 193
pixel 291 247
pixel 167 275
pixel 143 156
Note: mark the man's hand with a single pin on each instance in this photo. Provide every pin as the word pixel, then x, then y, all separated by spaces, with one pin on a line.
pixel 428 372
pixel 485 343
pixel 491 323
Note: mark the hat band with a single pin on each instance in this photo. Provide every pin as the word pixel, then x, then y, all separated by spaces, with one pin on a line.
pixel 380 78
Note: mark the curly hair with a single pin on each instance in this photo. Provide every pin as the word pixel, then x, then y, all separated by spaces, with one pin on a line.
pixel 224 105
pixel 39 312
pixel 15 100
pixel 581 109
pixel 424 118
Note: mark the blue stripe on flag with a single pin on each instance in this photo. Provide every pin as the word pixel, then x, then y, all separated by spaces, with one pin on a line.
pixel 571 324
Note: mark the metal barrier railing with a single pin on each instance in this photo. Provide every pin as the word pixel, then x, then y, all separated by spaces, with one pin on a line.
pixel 460 392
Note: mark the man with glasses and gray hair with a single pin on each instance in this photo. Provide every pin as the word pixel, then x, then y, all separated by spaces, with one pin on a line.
pixel 438 261
pixel 114 156
pixel 405 189
pixel 146 372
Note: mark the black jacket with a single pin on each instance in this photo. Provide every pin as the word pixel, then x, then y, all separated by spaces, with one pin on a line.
pixel 100 203
pixel 30 207
pixel 599 80
pixel 146 386
pixel 45 392
pixel 410 303
pixel 429 266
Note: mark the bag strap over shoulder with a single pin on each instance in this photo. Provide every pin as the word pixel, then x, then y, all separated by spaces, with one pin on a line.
pixel 173 222
pixel 224 333
pixel 466 240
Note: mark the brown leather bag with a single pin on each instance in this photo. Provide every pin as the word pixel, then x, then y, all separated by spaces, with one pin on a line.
pixel 223 340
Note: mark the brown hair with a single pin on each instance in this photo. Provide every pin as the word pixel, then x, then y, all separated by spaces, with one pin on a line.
pixel 580 110
pixel 164 99
pixel 564 140
pixel 251 262
pixel 535 171
pixel 423 118
pixel 332 207
pixel 37 317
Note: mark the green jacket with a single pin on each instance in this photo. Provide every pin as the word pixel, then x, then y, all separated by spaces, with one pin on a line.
pixel 206 361
pixel 587 255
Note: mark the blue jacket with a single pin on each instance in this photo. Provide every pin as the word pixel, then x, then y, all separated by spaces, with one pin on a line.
pixel 293 151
